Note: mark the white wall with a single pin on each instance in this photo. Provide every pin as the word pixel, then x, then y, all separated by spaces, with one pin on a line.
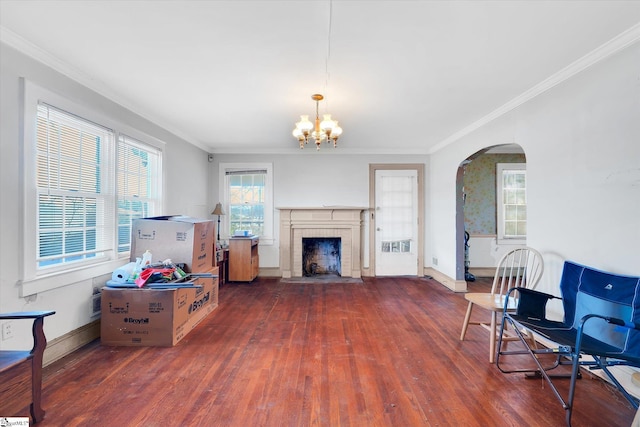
pixel 486 252
pixel 582 142
pixel 310 179
pixel 186 192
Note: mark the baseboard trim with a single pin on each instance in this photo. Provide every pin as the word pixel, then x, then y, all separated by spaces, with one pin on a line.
pixel 275 272
pixel 367 272
pixel 483 271
pixel 454 285
pixel 270 272
pixel 70 342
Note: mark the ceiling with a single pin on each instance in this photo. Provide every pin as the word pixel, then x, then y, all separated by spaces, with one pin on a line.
pixel 234 76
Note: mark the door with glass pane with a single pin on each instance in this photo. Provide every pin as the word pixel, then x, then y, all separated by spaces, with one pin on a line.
pixel 396 222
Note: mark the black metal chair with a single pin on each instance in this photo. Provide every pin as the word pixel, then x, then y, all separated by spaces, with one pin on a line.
pixel 601 329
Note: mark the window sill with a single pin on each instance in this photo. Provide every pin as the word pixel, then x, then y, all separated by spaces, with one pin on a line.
pixel 515 242
pixel 68 277
pixel 263 241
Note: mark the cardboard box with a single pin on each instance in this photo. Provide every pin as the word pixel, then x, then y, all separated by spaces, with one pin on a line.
pixel 182 239
pixel 155 317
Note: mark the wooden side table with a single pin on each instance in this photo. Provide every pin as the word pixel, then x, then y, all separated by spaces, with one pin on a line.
pixel 243 258
pixel 223 266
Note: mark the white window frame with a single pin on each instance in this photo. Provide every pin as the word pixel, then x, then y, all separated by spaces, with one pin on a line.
pixel 267 238
pixel 34 280
pixel 500 207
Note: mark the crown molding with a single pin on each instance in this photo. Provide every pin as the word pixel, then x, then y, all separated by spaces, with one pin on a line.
pixel 33 51
pixel 623 40
pixel 311 151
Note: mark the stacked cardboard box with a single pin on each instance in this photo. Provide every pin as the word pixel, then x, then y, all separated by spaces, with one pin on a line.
pixel 156 317
pixel 163 317
pixel 179 238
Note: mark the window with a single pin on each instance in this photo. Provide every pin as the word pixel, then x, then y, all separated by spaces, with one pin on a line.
pixel 511 200
pixel 84 182
pixel 396 211
pixel 138 172
pixel 247 194
pixel 72 190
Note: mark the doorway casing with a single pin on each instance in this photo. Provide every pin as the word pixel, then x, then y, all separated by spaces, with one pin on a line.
pixel 419 167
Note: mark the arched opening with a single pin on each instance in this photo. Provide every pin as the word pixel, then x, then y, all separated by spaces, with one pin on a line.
pixel 494 222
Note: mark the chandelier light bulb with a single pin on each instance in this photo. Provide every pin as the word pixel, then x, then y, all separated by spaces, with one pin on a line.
pixel 304 124
pixel 327 124
pixel 297 133
pixel 335 134
pixel 336 131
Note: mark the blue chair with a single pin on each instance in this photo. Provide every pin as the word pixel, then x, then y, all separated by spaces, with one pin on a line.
pixel 601 320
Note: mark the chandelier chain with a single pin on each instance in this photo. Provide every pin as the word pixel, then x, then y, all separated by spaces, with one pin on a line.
pixel 327 74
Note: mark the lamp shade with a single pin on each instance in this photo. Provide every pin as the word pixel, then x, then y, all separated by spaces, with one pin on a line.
pixel 218 210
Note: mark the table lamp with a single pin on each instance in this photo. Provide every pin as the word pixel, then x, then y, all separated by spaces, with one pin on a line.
pixel 218 211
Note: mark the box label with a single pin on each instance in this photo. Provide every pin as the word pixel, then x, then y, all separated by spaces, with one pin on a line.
pixel 198 303
pixel 182 301
pixel 137 320
pixel 155 307
pixel 150 235
pixel 118 309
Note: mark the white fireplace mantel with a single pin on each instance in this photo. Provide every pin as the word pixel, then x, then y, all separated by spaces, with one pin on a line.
pixel 344 222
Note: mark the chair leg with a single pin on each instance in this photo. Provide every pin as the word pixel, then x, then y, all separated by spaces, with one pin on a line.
pixel 492 338
pixel 465 324
pixel 40 343
pixel 531 338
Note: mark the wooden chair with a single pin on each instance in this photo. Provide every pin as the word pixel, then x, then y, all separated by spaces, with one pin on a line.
pixel 18 367
pixel 520 267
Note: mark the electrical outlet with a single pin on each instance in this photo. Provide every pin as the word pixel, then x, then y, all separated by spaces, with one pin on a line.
pixel 7 330
pixel 434 260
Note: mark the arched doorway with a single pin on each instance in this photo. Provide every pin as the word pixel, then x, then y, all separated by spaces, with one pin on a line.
pixel 480 207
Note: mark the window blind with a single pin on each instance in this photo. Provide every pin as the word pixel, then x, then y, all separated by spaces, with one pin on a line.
pixel 246 172
pixel 70 178
pixel 138 188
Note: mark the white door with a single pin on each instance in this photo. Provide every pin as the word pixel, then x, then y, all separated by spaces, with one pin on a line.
pixel 396 222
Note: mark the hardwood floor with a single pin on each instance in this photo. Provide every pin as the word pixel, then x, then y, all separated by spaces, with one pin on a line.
pixel 381 353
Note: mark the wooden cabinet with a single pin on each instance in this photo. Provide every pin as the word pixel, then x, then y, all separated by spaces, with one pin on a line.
pixel 243 259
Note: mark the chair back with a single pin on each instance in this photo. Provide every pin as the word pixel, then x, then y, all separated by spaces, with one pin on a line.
pixel 586 290
pixel 520 267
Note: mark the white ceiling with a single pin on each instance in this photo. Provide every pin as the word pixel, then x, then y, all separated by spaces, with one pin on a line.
pixel 234 76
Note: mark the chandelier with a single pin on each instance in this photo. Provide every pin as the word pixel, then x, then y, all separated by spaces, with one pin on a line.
pixel 320 131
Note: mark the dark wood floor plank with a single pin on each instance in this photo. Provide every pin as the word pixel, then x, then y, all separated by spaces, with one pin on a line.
pixel 384 352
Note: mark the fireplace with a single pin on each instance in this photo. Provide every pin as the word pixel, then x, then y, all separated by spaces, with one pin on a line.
pixel 343 223
pixel 321 256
